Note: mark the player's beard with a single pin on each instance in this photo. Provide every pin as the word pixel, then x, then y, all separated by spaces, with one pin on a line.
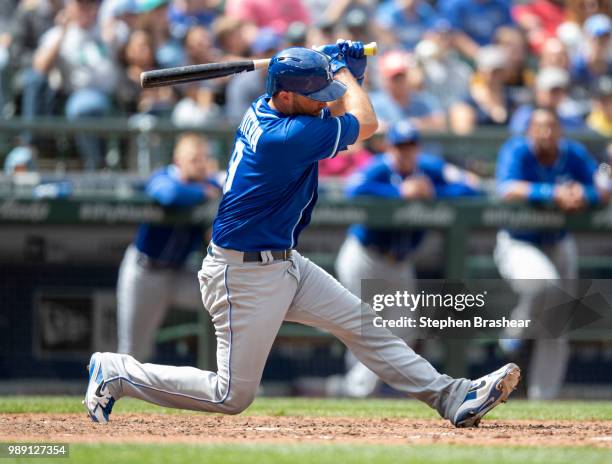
pixel 547 152
pixel 310 110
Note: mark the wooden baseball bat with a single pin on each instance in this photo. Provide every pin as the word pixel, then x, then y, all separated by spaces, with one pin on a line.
pixel 199 72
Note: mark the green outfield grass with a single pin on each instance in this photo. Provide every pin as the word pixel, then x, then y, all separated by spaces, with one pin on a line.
pixel 334 454
pixel 328 453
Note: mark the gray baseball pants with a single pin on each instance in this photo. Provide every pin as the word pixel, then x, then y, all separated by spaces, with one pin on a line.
pixel 248 303
pixel 143 298
pixel 520 262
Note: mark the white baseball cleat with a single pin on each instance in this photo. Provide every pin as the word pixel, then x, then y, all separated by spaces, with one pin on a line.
pixel 485 393
pixel 98 400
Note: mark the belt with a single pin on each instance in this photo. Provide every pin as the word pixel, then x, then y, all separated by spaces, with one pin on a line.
pixel 149 263
pixel 262 256
pixel 258 256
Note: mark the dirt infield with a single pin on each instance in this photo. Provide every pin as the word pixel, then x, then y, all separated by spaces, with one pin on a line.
pixel 203 428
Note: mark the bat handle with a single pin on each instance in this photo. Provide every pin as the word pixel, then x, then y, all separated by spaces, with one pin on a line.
pixel 261 64
pixel 370 49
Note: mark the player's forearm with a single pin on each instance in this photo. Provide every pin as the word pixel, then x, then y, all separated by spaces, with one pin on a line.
pixel 168 193
pixel 514 190
pixel 357 102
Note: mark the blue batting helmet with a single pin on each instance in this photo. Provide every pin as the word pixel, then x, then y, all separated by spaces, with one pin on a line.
pixel 303 71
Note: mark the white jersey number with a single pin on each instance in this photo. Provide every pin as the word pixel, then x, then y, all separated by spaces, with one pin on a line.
pixel 233 164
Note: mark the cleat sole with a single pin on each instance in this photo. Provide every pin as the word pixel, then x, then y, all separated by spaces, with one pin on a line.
pixel 507 384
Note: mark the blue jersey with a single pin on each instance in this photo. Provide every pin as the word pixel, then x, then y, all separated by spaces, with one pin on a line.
pixel 517 162
pixel 380 179
pixel 272 177
pixel 479 19
pixel 169 245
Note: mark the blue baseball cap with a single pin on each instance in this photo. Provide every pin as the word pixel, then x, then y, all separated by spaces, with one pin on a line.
pixel 403 132
pixel 598 25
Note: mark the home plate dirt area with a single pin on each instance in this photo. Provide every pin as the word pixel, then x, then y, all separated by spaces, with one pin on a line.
pixel 207 428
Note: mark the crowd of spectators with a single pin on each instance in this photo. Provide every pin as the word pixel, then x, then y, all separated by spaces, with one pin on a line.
pixel 454 65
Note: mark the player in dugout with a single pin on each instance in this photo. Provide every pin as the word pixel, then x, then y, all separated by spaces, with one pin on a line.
pixel 153 274
pixel 253 278
pixel 403 172
pixel 543 168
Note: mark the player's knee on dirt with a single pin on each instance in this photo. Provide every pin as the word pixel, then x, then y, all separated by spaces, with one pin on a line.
pixel 241 396
pixel 237 405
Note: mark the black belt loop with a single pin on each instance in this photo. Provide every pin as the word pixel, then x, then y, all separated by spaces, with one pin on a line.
pixel 255 256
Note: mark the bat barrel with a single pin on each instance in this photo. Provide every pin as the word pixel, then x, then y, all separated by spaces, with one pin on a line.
pixel 183 74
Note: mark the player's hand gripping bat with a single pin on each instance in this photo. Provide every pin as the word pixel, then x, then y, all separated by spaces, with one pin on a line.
pixel 198 72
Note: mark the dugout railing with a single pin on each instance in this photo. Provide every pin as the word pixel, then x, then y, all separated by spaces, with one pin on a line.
pixel 140 142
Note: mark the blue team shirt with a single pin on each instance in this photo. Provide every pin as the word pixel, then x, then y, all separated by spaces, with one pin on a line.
pixel 380 179
pixel 478 19
pixel 272 178
pixel 169 245
pixel 409 30
pixel 517 161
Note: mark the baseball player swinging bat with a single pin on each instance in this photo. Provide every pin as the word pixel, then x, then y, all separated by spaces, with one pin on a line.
pixel 253 278
pixel 197 72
